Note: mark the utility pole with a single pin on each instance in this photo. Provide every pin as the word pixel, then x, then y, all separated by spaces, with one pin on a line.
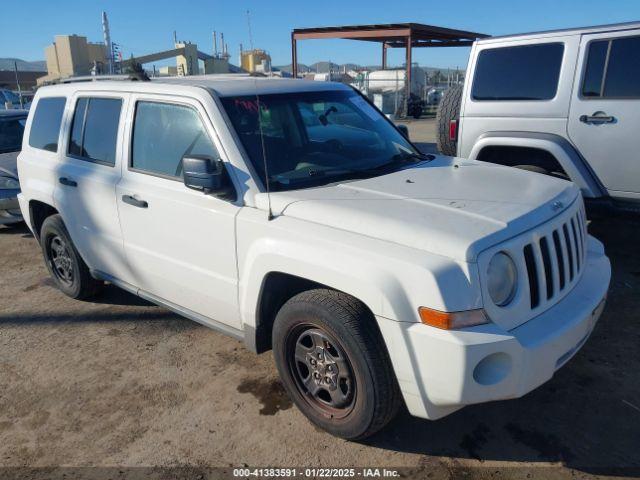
pixel 107 42
pixel 15 69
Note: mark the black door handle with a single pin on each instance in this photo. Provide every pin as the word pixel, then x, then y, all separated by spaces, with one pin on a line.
pixel 597 118
pixel 134 201
pixel 68 182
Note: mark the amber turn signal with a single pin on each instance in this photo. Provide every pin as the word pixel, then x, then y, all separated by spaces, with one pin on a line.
pixel 452 320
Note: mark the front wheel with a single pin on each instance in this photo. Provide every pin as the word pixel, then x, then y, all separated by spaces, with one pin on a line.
pixel 334 364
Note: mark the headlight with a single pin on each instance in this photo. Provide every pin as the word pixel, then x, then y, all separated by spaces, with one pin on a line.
pixel 502 279
pixel 9 183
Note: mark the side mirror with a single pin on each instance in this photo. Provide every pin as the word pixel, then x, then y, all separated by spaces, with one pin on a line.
pixel 207 175
pixel 404 130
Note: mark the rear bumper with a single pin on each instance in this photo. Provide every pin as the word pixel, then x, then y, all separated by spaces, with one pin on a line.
pixel 440 371
pixel 9 207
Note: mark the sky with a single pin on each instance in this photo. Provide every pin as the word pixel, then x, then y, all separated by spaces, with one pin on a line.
pixel 142 27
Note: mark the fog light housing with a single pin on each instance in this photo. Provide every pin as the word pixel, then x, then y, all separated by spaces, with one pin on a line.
pixel 492 369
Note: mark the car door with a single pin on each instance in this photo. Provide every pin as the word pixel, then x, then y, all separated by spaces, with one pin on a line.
pixel 86 178
pixel 605 110
pixel 180 242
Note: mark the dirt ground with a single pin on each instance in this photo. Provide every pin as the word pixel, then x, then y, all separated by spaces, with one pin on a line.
pixel 122 383
pixel 423 133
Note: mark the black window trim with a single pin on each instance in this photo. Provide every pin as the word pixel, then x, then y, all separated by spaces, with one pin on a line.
pixel 555 95
pixel 56 152
pixel 84 122
pixel 585 59
pixel 130 166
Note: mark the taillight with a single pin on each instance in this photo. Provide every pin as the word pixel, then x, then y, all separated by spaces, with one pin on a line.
pixel 453 130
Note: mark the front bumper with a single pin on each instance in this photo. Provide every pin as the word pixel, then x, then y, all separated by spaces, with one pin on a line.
pixel 440 371
pixel 9 207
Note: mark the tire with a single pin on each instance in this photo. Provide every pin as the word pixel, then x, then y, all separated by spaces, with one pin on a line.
pixel 16 225
pixel 415 110
pixel 69 272
pixel 335 337
pixel 449 109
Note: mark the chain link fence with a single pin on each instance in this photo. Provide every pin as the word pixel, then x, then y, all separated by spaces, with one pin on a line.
pixel 387 89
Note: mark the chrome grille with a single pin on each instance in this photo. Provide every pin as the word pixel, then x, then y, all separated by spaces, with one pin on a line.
pixel 554 261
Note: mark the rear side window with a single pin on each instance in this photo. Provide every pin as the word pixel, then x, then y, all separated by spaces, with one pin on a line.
pixel 164 133
pixel 94 132
pixel 529 72
pixel 45 126
pixel 594 74
pixel 613 69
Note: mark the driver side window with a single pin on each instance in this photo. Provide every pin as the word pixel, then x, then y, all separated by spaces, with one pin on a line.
pixel 163 133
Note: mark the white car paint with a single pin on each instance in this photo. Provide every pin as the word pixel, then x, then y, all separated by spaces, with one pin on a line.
pixel 414 238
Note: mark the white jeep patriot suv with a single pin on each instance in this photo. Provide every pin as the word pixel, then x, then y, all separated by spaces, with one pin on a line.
pixel 564 103
pixel 294 216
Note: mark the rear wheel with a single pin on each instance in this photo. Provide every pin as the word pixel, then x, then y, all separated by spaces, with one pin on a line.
pixel 334 364
pixel 69 272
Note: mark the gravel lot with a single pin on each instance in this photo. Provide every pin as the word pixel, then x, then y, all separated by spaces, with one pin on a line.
pixel 119 382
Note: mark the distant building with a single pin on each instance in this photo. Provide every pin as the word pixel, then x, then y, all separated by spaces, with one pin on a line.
pixel 187 63
pixel 255 61
pixel 72 55
pixel 167 71
pixel 27 80
pixel 217 65
pixel 187 58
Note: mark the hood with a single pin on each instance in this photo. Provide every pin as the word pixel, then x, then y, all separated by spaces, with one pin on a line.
pixel 8 164
pixel 451 207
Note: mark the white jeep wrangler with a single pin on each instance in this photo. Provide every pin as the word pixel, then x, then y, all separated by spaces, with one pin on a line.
pixel 565 103
pixel 374 272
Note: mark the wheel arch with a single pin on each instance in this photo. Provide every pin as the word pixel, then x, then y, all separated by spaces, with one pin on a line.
pixel 38 213
pixel 276 289
pixel 554 146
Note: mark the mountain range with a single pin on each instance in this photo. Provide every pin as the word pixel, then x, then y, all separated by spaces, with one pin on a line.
pixel 319 67
pixel 23 65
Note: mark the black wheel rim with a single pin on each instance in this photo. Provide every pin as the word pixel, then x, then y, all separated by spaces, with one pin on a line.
pixel 321 371
pixel 60 259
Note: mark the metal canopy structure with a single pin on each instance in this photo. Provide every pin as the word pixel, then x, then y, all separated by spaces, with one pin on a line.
pixel 394 35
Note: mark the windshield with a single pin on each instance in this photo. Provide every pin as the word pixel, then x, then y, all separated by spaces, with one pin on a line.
pixel 11 131
pixel 313 138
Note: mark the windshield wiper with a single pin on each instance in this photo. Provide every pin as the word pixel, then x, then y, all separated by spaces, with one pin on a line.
pixel 400 159
pixel 336 174
pixel 404 156
pixel 311 175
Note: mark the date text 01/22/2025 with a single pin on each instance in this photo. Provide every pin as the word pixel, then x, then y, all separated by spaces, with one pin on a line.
pixel 315 472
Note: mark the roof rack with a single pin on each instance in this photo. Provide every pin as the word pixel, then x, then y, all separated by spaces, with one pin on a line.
pixel 98 78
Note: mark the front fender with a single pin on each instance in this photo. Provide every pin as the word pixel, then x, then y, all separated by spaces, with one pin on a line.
pixel 392 280
pixel 572 163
